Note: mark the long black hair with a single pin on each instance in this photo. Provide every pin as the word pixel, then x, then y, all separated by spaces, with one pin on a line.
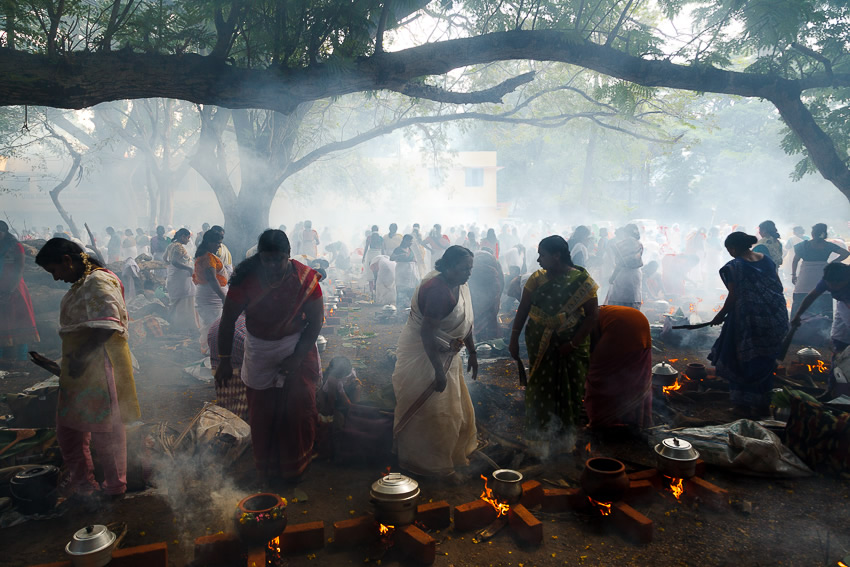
pixel 740 241
pixel 452 257
pixel 210 237
pixel 57 248
pixel 819 231
pixel 768 227
pixel 556 244
pixel 580 234
pixel 271 240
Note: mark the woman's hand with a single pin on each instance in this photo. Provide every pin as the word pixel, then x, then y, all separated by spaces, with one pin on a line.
pixel 224 372
pixel 472 365
pixel 76 366
pixel 794 280
pixel 718 319
pixel 440 379
pixel 291 364
pixel 796 322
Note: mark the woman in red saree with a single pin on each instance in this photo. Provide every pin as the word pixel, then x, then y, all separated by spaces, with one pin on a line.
pixel 618 388
pixel 282 302
pixel 17 326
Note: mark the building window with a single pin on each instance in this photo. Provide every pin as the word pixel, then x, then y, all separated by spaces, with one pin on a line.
pixel 475 177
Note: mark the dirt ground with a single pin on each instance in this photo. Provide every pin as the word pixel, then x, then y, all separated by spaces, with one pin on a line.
pixel 791 522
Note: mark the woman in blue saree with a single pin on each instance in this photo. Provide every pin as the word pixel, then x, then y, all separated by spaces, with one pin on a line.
pixel 755 321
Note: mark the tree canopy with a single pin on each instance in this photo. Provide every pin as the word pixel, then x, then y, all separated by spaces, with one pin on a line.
pixel 281 54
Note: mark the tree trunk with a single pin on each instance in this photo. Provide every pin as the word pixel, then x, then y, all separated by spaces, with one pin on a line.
pixel 244 222
pixel 54 195
pixel 587 184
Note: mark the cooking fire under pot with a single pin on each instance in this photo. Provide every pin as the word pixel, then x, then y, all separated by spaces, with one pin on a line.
pixel 394 498
pixel 676 458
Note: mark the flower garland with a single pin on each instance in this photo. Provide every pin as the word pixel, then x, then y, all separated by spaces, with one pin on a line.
pixel 265 515
pixel 88 268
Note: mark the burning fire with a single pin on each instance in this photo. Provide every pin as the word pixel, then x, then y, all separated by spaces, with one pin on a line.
pixel 487 496
pixel 274 545
pixel 587 447
pixel 603 507
pixel 385 529
pixel 692 307
pixel 673 360
pixel 820 367
pixel 672 310
pixel 676 487
pixel 673 388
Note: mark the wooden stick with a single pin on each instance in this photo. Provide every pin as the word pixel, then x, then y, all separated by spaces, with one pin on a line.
pixel 93 245
pixel 692 327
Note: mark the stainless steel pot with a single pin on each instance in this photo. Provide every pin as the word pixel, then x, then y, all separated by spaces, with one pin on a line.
pixel 676 458
pixel 507 486
pixel 394 498
pixel 91 546
pixel 663 374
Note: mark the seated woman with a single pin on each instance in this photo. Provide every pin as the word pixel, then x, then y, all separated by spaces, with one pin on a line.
pixel 339 390
pixel 434 418
pixel 618 388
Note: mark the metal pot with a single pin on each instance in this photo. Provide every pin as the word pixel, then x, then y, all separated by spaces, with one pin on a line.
pixel 394 498
pixel 321 343
pixel 808 355
pixel 91 546
pixel 35 489
pixel 663 374
pixel 507 486
pixel 676 458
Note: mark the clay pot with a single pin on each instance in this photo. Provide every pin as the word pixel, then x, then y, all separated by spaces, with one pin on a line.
pixel 604 479
pixel 697 371
pixel 260 518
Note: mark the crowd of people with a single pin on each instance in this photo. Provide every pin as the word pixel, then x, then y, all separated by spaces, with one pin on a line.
pixel 260 322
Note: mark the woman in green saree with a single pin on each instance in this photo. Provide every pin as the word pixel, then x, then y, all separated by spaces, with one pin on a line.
pixel 559 302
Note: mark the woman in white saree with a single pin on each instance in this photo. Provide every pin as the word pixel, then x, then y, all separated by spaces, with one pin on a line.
pixel 434 428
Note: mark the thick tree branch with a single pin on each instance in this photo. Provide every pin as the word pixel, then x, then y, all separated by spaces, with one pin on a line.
pixel 493 94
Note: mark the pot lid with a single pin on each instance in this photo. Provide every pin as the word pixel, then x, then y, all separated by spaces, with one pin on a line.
pixel 90 539
pixel 677 449
pixel 808 351
pixel 664 369
pixel 394 486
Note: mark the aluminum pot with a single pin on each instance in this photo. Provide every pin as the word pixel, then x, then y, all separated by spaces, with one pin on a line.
pixel 322 343
pixel 676 458
pixel 394 498
pixel 663 374
pixel 91 546
pixel 507 486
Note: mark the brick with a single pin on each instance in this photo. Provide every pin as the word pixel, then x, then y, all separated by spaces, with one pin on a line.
pixel 218 548
pixel 474 515
pixel 434 515
pixel 303 537
pixel 711 494
pixel 331 321
pixel 525 526
pixel 357 531
pixel 643 475
pixel 532 494
pixel 256 557
pixel 151 555
pixel 640 491
pixel 631 522
pixel 416 544
pixel 562 499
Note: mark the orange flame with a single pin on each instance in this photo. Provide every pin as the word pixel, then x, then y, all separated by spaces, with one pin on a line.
pixel 385 529
pixel 386 473
pixel 842 564
pixel 672 310
pixel 820 367
pixel 692 307
pixel 487 496
pixel 587 447
pixel 673 388
pixel 673 360
pixel 274 545
pixel 676 487
pixel 603 507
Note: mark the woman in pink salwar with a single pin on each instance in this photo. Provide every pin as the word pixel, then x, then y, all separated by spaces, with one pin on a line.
pixel 97 393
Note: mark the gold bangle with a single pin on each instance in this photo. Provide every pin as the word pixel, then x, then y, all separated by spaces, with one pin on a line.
pixel 224 356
